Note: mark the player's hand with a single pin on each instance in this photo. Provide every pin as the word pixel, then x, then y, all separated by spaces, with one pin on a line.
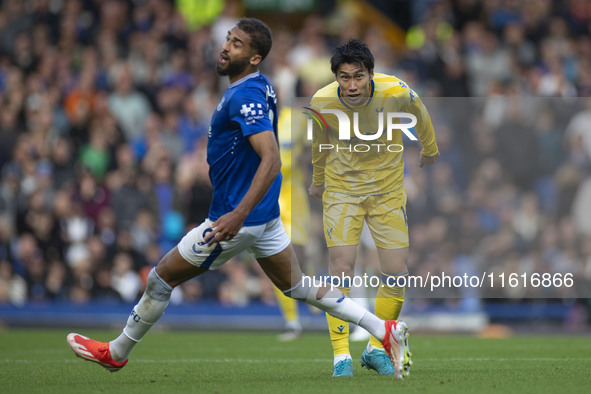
pixel 316 191
pixel 427 160
pixel 225 228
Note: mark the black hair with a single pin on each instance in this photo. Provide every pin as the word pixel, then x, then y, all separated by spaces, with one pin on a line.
pixel 260 35
pixel 353 52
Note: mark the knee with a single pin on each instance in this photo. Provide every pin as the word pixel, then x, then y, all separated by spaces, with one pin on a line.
pixel 157 288
pixel 303 290
pixel 342 265
pixel 393 261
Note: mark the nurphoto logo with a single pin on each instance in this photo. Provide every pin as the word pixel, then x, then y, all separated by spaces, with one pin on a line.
pixel 392 120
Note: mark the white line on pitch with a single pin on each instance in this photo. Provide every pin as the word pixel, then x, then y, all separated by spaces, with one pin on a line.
pixel 314 360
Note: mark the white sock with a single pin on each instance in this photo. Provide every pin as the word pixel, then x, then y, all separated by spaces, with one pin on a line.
pixel 374 325
pixel 142 318
pixel 293 325
pixel 341 357
pixel 121 347
pixel 336 304
pixel 346 309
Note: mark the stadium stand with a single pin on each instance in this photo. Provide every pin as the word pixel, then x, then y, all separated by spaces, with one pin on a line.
pixel 105 108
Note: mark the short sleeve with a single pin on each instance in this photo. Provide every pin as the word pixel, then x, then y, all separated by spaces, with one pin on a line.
pixel 250 110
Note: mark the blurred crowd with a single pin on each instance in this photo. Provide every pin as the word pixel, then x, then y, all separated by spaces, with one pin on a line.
pixel 510 194
pixel 106 106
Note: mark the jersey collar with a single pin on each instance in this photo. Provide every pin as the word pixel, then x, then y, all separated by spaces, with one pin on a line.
pixel 243 79
pixel 371 94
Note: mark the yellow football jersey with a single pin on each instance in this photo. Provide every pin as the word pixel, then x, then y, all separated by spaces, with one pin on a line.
pixel 363 165
pixel 293 199
pixel 291 146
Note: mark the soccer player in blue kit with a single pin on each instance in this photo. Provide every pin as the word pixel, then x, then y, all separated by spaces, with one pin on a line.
pixel 244 161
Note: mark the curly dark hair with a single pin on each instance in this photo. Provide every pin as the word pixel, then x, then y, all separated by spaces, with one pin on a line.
pixel 259 33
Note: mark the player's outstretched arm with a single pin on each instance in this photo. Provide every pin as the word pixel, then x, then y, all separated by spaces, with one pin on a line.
pixel 425 130
pixel 228 225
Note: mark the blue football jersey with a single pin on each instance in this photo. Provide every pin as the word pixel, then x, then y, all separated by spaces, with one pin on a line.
pixel 249 106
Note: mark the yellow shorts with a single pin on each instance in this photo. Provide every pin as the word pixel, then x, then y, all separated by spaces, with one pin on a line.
pixel 385 215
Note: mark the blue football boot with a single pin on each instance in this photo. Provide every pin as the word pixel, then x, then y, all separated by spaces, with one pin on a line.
pixel 377 360
pixel 343 368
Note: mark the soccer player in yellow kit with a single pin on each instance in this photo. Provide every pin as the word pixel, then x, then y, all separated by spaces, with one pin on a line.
pixel 295 212
pixel 361 179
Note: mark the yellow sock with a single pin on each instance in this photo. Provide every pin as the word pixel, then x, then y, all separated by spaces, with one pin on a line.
pixel 339 330
pixel 389 302
pixel 288 306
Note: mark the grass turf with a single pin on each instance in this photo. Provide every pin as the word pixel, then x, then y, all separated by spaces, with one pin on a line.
pixel 40 361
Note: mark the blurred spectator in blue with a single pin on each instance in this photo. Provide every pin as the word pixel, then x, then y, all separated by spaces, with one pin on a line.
pixel 191 127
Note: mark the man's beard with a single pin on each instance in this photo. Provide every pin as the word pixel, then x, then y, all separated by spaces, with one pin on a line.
pixel 235 67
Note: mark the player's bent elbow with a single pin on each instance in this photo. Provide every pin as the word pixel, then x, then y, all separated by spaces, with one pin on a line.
pixel 276 169
pixel 273 163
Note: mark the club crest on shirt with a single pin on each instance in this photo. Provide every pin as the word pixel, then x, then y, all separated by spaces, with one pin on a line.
pixel 221 103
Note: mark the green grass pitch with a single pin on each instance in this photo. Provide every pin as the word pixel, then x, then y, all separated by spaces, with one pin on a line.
pixel 40 361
